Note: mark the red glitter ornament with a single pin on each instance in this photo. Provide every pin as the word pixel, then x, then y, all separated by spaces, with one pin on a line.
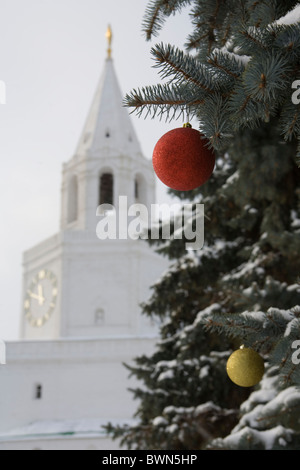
pixel 181 159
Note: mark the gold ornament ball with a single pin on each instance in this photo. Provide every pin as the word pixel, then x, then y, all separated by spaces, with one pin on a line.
pixel 245 367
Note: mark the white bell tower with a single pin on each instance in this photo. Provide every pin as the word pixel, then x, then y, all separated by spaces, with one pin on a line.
pixel 108 161
pixel 76 285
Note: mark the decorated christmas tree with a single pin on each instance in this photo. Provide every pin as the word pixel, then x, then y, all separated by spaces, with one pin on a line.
pixel 237 79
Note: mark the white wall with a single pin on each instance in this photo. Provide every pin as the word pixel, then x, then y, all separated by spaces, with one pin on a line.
pixel 81 380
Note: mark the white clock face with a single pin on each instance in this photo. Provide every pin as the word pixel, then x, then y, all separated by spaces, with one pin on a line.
pixel 40 298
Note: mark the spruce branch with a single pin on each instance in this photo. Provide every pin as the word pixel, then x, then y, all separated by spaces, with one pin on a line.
pixel 215 122
pixel 264 12
pixel 226 63
pixel 289 122
pixel 271 333
pixel 212 22
pixel 156 13
pixel 267 77
pixel 282 8
pixel 253 79
pixel 249 327
pixel 250 40
pixel 159 100
pixel 154 20
pixel 287 40
pixel 244 111
pixel 182 67
pixel 298 152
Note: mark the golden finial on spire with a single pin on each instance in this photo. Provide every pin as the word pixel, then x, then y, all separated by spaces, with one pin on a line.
pixel 108 36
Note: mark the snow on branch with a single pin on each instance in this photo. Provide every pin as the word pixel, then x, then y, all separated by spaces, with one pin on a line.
pixel 272 333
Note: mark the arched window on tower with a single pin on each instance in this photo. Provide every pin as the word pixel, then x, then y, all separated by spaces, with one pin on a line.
pixel 38 392
pixel 106 189
pixel 140 190
pixel 73 200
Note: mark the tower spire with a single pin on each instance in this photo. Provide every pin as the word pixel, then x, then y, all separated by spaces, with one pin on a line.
pixel 109 36
pixel 108 124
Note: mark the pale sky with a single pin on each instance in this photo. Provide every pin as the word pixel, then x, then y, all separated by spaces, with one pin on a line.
pixel 52 53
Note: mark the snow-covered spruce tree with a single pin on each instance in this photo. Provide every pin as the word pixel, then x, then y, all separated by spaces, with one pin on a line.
pixel 244 282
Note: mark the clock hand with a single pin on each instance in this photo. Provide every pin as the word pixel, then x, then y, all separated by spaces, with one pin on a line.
pixel 33 296
pixel 41 297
